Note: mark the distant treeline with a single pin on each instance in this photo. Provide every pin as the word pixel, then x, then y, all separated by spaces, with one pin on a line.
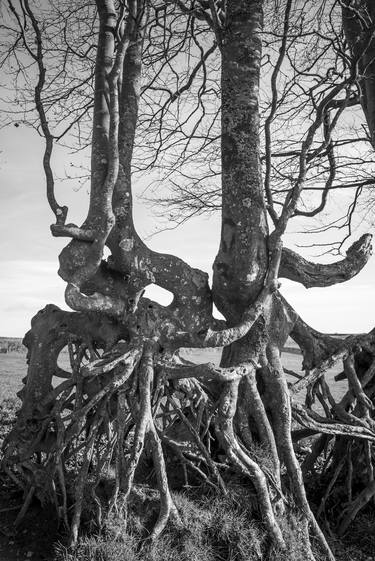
pixel 11 345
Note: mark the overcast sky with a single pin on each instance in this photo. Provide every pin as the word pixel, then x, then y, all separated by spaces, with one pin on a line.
pixel 28 268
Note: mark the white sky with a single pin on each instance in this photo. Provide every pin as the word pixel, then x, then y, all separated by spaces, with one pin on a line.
pixel 28 253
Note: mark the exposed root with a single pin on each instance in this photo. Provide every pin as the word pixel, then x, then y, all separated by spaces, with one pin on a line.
pixel 355 506
pixel 25 506
pixel 281 414
pixel 350 417
pixel 131 403
pixel 167 506
pixel 80 484
pixel 143 420
pixel 226 412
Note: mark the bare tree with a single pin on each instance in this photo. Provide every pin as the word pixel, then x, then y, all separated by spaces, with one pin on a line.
pixel 304 56
pixel 128 384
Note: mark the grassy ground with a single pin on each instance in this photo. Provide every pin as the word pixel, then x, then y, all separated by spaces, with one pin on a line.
pixel 13 368
pixel 212 528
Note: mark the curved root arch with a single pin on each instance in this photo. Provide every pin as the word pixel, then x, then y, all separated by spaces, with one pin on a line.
pixel 112 403
pixel 123 399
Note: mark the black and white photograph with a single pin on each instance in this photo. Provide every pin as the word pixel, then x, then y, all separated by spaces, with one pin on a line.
pixel 187 286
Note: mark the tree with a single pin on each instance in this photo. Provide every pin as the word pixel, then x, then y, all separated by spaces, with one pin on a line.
pixel 128 384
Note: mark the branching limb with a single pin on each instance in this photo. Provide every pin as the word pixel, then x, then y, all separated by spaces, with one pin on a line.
pixel 208 371
pixel 72 231
pixel 225 337
pixel 295 267
pixel 96 302
pixel 270 117
pixel 343 350
pixel 59 211
pixel 355 384
pixel 307 419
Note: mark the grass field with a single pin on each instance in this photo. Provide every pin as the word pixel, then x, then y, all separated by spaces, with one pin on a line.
pixel 13 368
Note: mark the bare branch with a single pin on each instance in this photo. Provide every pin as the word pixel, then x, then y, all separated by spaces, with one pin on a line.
pixel 295 267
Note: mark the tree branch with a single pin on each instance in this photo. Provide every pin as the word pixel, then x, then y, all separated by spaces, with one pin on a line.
pixel 294 267
pixel 59 211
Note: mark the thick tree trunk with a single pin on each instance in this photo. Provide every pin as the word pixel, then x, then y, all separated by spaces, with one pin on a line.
pixel 240 272
pixel 241 264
